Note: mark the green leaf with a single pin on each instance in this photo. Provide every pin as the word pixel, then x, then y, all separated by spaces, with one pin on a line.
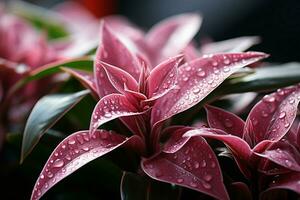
pixel 83 63
pixel 47 111
pixel 136 187
pixel 41 18
pixel 266 79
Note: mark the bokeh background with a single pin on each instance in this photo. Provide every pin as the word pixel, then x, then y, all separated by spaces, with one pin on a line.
pixel 276 21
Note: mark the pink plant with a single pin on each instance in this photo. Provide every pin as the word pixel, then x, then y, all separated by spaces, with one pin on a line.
pixel 261 146
pixel 144 96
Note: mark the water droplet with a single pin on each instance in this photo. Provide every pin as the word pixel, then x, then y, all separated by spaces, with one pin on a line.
pixel 207 177
pixel 58 163
pixel 193 184
pixel 215 63
pixel 179 180
pixel 42 176
pixel 171 75
pixel 206 185
pixel 49 174
pixel 213 164
pixel 201 73
pixel 282 115
pixel 188 68
pixel 292 101
pixel 286 125
pixel 269 98
pixel 71 141
pixel 226 61
pixel 196 90
pixel 288 163
pixel 203 163
pixel 196 164
pixel 56 154
pixel 107 115
pixel 86 148
pixel 228 123
pixel 264 114
pixel 46 185
pixel 226 69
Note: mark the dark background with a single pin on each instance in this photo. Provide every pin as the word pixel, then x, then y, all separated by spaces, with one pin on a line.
pixel 276 21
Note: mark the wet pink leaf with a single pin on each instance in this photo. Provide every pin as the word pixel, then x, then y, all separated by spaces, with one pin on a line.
pixel 272 117
pixel 74 152
pixel 85 78
pixel 163 77
pixel 239 44
pixel 111 107
pixel 290 181
pixel 284 154
pixel 240 149
pixel 112 51
pixel 197 79
pixel 119 78
pixel 226 121
pixel 171 36
pixel 194 166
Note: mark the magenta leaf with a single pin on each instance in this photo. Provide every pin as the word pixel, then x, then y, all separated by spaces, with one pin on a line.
pixel 288 181
pixel 74 152
pixel 171 36
pixel 272 117
pixel 112 51
pixel 163 77
pixel 239 148
pixel 197 79
pixel 194 166
pixel 119 78
pixel 85 78
pixel 284 154
pixel 226 121
pixel 239 44
pixel 240 190
pixel 111 107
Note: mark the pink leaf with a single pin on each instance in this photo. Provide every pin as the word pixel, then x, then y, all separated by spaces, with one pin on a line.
pixel 119 78
pixel 74 152
pixel 240 149
pixel 284 154
pixel 194 166
pixel 272 117
pixel 112 51
pixel 163 77
pixel 85 78
pixel 239 44
pixel 197 79
pixel 226 121
pixel 171 36
pixel 288 181
pixel 111 107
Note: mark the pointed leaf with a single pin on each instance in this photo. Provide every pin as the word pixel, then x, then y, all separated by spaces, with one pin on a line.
pixel 111 107
pixel 194 166
pixel 239 44
pixel 239 148
pixel 226 121
pixel 163 77
pixel 85 78
pixel 119 78
pixel 74 152
pixel 284 154
pixel 112 51
pixel 271 118
pixel 47 111
pixel 288 181
pixel 172 35
pixel 197 79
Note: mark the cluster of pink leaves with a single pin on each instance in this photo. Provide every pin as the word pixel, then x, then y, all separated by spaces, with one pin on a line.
pixel 140 79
